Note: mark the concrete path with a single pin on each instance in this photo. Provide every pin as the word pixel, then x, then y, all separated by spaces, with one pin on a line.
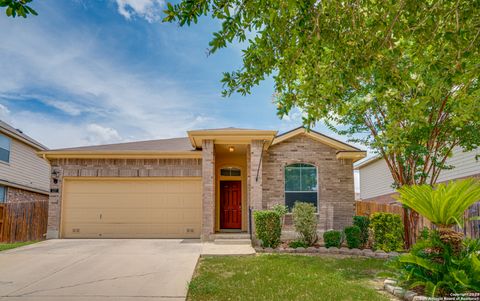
pixel 113 269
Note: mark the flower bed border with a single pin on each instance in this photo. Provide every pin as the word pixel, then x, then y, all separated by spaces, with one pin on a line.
pixel 390 286
pixel 322 250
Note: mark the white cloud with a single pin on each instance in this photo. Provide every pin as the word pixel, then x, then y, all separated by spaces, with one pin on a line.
pixel 100 134
pixel 72 71
pixel 150 10
pixel 5 113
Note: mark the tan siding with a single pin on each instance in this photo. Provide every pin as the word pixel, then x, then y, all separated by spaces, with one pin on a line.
pixel 376 180
pixel 25 167
pixel 465 165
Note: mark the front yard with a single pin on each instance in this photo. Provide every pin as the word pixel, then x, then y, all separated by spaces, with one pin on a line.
pixel 285 277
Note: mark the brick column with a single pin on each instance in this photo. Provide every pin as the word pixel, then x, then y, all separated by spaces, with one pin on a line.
pixel 54 203
pixel 255 168
pixel 208 182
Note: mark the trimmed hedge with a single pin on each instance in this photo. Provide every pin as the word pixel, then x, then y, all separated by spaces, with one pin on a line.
pixel 353 236
pixel 332 238
pixel 387 231
pixel 305 222
pixel 363 222
pixel 268 227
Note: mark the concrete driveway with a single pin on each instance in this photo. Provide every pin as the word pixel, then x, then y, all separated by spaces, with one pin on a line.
pixel 113 269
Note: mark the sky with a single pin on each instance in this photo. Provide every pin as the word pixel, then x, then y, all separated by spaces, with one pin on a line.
pixel 89 72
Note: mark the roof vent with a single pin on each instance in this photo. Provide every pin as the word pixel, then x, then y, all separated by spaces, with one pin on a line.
pixel 20 131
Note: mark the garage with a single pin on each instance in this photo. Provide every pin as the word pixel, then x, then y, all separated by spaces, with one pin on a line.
pixel 154 207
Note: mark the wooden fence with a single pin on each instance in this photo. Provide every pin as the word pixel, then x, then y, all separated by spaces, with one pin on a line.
pixel 471 228
pixel 23 221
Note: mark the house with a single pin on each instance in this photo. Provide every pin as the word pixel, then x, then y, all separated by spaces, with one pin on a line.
pixel 376 180
pixel 197 186
pixel 23 175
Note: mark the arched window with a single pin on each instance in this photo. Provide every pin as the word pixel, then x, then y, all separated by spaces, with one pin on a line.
pixel 230 171
pixel 300 184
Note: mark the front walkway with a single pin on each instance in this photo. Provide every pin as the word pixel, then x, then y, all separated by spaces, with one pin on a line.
pixel 103 269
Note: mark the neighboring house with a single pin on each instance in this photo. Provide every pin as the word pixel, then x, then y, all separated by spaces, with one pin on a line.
pixel 376 180
pixel 197 186
pixel 23 175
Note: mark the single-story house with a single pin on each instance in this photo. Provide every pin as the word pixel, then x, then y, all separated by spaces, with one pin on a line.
pixel 376 180
pixel 197 186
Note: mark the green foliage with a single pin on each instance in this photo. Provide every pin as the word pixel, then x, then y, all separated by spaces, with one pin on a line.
pixel 17 8
pixel 444 204
pixel 387 231
pixel 353 237
pixel 432 266
pixel 363 222
pixel 268 227
pixel 399 76
pixel 298 244
pixel 280 209
pixel 305 222
pixel 332 238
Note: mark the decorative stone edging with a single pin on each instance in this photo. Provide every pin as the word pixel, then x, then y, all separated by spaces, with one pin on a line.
pixel 389 285
pixel 333 250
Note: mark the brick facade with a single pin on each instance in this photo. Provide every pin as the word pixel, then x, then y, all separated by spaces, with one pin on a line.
pixel 336 197
pixel 208 183
pixel 16 195
pixel 111 168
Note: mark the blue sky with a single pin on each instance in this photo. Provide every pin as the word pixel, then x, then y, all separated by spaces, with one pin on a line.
pixel 93 72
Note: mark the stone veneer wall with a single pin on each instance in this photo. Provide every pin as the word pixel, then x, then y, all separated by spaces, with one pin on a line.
pixel 336 197
pixel 112 168
pixel 16 195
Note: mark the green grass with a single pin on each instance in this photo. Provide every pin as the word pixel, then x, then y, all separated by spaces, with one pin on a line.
pixel 8 246
pixel 285 277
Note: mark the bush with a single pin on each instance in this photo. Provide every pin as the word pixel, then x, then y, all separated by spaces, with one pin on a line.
pixel 332 238
pixel 353 237
pixel 435 269
pixel 387 231
pixel 363 223
pixel 305 222
pixel 281 210
pixel 297 244
pixel 268 227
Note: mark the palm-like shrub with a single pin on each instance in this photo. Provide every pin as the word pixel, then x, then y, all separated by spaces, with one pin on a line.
pixel 444 205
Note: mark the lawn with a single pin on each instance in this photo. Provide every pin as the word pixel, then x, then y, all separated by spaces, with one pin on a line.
pixel 285 277
pixel 8 246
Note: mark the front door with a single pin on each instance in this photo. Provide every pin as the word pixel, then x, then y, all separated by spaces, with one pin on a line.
pixel 230 204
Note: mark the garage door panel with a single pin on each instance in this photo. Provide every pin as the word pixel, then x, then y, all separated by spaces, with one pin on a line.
pixel 136 208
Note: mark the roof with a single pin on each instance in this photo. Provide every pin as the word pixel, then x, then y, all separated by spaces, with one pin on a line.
pixel 367 162
pixel 168 148
pixel 344 150
pixel 19 135
pixel 173 144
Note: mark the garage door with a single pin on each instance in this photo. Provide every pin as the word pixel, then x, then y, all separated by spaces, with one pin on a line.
pixel 132 208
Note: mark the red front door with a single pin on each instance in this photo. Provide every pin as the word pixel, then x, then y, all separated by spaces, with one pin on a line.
pixel 230 204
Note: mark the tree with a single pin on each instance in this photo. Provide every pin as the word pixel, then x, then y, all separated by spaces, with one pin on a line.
pixel 17 8
pixel 401 77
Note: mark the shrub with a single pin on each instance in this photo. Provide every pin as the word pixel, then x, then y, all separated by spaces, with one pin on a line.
pixel 332 238
pixel 281 210
pixel 432 266
pixel 305 222
pixel 363 223
pixel 298 244
pixel 353 237
pixel 268 227
pixel 387 231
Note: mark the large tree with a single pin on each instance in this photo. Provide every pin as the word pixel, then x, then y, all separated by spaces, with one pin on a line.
pixel 402 77
pixel 17 8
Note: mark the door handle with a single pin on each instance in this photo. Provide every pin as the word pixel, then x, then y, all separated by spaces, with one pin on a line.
pixel 100 216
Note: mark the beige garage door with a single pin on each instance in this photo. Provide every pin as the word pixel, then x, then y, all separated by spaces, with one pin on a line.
pixel 132 208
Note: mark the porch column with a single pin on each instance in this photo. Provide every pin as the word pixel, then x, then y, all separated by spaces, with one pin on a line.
pixel 208 195
pixel 255 173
